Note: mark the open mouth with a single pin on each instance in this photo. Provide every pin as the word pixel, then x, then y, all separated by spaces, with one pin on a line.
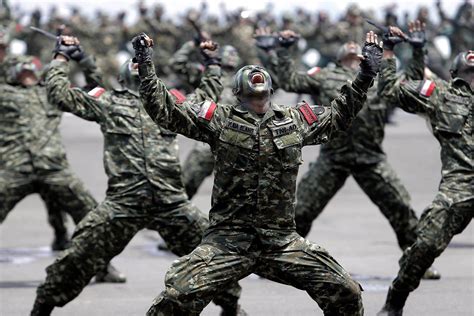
pixel 257 78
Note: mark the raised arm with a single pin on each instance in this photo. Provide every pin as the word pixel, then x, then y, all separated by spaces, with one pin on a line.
pixel 187 117
pixel 321 122
pixel 60 93
pixel 290 79
pixel 407 90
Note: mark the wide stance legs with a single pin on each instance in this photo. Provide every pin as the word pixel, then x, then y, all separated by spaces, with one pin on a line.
pixel 193 280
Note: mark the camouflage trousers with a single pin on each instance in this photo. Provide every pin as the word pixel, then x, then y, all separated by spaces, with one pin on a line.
pixel 193 280
pixel 197 167
pixel 107 230
pixel 325 177
pixel 61 191
pixel 439 223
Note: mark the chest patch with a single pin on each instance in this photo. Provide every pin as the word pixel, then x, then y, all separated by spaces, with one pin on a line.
pixel 283 130
pixel 250 130
pixel 457 99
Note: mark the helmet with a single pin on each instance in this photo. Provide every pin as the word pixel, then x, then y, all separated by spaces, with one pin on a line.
pixel 252 80
pixel 349 48
pixel 25 64
pixel 128 76
pixel 462 62
pixel 463 67
pixel 229 57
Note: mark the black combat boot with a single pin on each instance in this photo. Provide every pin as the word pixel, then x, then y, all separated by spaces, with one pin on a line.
pixel 110 275
pixel 394 304
pixel 40 308
pixel 60 242
pixel 235 310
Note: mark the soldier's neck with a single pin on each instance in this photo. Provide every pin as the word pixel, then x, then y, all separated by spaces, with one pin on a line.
pixel 257 105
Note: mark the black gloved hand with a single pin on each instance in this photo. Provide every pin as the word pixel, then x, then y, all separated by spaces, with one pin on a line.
pixel 372 53
pixel 210 53
pixel 393 37
pixel 287 38
pixel 69 47
pixel 416 34
pixel 266 42
pixel 142 45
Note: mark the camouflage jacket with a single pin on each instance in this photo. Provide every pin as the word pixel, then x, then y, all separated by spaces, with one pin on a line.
pixel 449 109
pixel 140 160
pixel 257 158
pixel 362 142
pixel 29 130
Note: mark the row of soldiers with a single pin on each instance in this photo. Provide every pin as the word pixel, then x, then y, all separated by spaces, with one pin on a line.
pixel 254 149
pixel 236 28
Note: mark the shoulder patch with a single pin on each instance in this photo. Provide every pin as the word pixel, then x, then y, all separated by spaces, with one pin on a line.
pixel 96 92
pixel 308 113
pixel 207 110
pixel 180 98
pixel 426 88
pixel 313 71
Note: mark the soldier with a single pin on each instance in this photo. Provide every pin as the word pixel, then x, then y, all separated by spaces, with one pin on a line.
pixel 257 149
pixel 33 159
pixel 357 152
pixel 200 162
pixel 144 188
pixel 448 107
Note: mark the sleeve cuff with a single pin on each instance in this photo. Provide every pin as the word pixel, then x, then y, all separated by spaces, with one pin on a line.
pixel 146 69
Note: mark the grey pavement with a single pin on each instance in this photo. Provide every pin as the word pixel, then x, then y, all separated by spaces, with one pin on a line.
pixel 351 228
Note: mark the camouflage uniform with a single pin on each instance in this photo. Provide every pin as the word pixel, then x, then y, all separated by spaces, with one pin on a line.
pixel 448 107
pixel 144 186
pixel 357 152
pixel 252 226
pixel 33 158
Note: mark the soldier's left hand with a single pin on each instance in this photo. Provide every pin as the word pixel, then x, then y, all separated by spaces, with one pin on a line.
pixel 372 53
pixel 210 52
pixel 416 34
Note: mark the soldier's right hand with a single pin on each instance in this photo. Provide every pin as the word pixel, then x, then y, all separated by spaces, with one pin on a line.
pixel 142 44
pixel 69 47
pixel 372 53
pixel 210 52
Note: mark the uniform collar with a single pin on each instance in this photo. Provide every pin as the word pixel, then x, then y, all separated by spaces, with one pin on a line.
pixel 461 84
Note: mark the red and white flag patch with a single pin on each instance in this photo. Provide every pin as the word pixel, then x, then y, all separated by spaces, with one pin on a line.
pixel 207 110
pixel 180 98
pixel 427 87
pixel 313 71
pixel 308 113
pixel 96 92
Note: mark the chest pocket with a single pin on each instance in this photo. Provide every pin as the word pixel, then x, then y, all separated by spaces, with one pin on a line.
pixel 236 142
pixel 452 113
pixel 121 119
pixel 288 140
